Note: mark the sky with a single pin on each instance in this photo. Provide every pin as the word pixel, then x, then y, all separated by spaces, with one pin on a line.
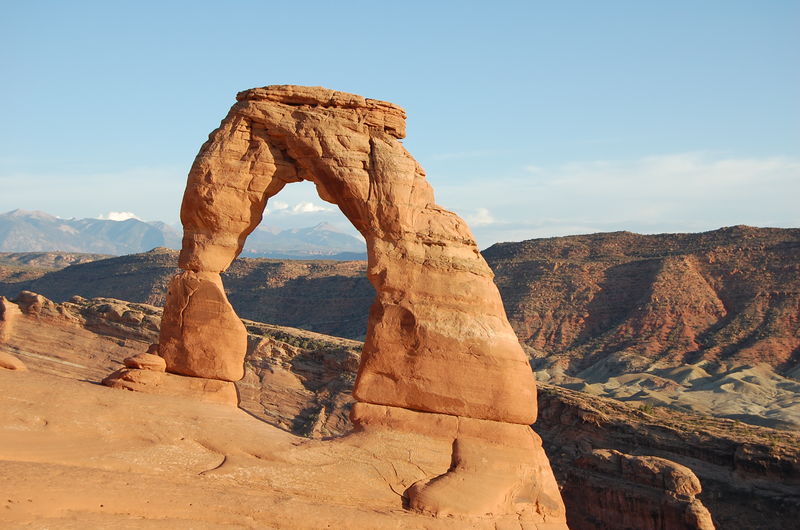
pixel 531 118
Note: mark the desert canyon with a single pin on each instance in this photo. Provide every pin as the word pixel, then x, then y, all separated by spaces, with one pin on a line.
pixel 431 421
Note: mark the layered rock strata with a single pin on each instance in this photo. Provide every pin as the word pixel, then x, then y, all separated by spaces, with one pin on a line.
pixel 438 342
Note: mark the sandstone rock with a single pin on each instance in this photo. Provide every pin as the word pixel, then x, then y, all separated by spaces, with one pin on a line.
pixel 32 303
pixel 646 470
pixel 437 341
pixel 9 312
pixel 608 488
pixel 437 306
pixel 10 362
pixel 211 390
pixel 666 500
pixel 496 467
pixel 146 361
pixel 201 336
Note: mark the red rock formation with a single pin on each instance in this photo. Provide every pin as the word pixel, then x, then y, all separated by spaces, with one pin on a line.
pixel 621 467
pixel 728 296
pixel 9 313
pixel 438 342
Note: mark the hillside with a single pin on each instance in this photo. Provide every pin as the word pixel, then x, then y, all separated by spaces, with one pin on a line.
pixel 26 266
pixel 331 297
pixel 700 320
pixel 731 295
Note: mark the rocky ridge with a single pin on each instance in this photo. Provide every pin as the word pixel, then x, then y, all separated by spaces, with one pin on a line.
pixel 330 297
pixel 707 322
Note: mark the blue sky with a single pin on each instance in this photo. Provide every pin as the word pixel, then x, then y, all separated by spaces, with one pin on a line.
pixel 532 119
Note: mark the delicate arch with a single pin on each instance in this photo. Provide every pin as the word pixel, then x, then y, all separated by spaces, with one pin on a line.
pixel 438 339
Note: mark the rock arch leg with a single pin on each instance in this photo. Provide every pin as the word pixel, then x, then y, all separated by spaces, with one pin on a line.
pixel 229 184
pixel 440 358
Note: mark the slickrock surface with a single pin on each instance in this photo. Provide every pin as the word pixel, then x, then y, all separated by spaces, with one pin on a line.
pixel 97 457
pixel 10 362
pixel 300 381
pixel 437 342
pixel 166 384
pixel 153 461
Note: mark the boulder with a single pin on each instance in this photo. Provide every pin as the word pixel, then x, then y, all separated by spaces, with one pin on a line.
pixel 146 361
pixel 9 312
pixel 210 390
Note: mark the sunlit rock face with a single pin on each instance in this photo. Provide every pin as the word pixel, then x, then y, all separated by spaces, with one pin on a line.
pixel 440 357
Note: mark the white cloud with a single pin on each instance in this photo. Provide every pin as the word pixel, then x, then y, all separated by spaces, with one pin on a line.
pixel 275 206
pixel 309 207
pixel 302 207
pixel 119 216
pixel 481 217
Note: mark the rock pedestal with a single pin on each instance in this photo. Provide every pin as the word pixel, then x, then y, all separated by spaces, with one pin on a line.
pixel 9 312
pixel 438 343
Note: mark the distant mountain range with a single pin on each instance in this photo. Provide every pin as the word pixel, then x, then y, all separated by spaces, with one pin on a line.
pixel 322 241
pixel 34 231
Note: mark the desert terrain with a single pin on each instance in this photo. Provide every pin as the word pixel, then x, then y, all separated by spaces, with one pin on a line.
pixel 153 461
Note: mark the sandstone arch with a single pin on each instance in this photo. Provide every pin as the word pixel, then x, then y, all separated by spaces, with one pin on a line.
pixel 440 357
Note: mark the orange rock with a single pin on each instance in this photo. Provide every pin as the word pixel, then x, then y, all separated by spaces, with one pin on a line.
pixel 9 312
pixel 32 303
pixel 438 339
pixel 497 467
pixel 437 307
pixel 202 336
pixel 211 390
pixel 146 361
